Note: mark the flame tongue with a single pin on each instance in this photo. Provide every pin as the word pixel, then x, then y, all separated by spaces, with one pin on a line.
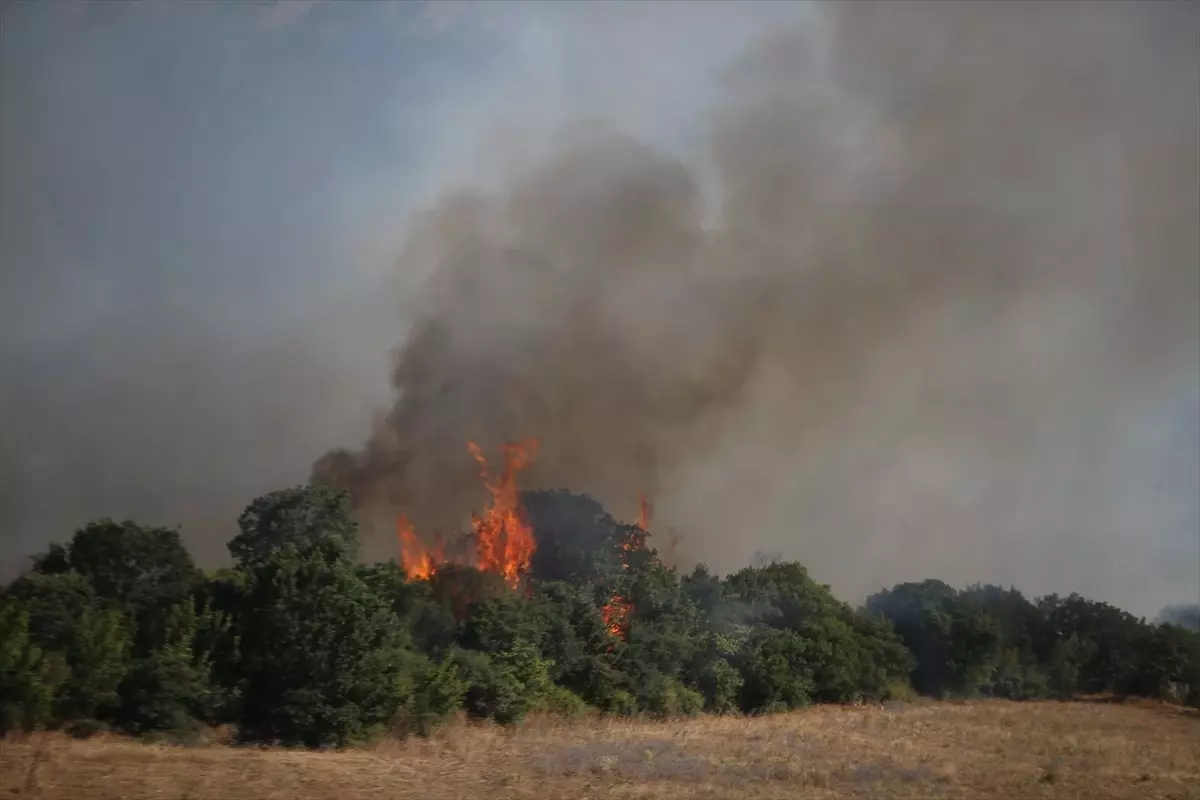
pixel 504 542
pixel 419 562
pixel 644 512
pixel 503 538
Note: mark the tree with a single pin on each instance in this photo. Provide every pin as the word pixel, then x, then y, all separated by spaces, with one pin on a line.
pixel 501 623
pixel 506 685
pixel 139 566
pixel 776 667
pixel 574 637
pixel 576 538
pixel 91 641
pixel 219 602
pixel 1109 641
pixel 98 657
pixel 56 603
pixel 430 691
pixel 167 689
pixel 320 654
pixel 954 640
pixel 720 684
pixel 28 677
pixel 850 655
pixel 294 521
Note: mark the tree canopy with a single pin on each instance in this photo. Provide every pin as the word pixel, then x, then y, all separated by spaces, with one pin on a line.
pixel 298 643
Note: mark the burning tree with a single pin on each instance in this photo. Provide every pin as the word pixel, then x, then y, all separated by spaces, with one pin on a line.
pixel 502 536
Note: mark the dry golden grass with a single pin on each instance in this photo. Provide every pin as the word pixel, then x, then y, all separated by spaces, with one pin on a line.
pixel 936 750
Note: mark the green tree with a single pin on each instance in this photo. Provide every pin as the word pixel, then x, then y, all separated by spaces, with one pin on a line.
pixel 98 656
pixel 56 603
pixel 574 637
pixel 720 684
pixel 294 521
pixel 430 691
pixel 776 667
pixel 954 640
pixel 221 597
pixel 28 676
pixel 851 655
pixel 129 563
pixel 168 689
pixel 501 623
pixel 506 685
pixel 141 570
pixel 1109 640
pixel 320 651
pixel 90 639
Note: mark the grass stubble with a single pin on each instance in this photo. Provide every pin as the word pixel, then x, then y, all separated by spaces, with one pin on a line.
pixel 924 750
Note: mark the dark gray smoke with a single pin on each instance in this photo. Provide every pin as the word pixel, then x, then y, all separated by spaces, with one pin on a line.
pixel 945 319
pixel 916 296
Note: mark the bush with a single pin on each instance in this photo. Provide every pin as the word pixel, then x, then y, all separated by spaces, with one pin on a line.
pixel 431 692
pixel 667 697
pixel 27 677
pixel 564 702
pixel 720 684
pixel 506 685
pixel 619 703
pixel 776 666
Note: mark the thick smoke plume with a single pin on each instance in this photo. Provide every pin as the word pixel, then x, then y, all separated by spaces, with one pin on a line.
pixel 938 323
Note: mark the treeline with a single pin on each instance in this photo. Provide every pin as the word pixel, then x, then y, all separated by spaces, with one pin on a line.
pixel 298 643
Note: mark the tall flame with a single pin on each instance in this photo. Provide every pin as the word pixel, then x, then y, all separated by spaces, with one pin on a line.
pixel 644 512
pixel 504 542
pixel 419 561
pixel 503 538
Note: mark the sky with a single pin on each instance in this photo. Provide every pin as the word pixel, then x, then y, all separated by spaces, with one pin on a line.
pixel 202 204
pixel 203 211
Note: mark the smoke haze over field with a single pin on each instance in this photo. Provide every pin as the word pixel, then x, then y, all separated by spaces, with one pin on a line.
pixel 896 290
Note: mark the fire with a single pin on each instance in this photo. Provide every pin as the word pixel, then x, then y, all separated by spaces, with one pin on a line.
pixel 504 542
pixel 617 610
pixel 643 520
pixel 636 540
pixel 419 561
pixel 616 616
pixel 503 538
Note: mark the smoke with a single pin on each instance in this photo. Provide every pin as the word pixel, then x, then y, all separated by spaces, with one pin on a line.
pixel 943 320
pixel 897 290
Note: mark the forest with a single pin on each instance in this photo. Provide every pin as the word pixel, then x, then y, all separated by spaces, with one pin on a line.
pixel 299 643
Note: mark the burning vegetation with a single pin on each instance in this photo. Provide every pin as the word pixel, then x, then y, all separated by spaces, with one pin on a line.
pixel 502 540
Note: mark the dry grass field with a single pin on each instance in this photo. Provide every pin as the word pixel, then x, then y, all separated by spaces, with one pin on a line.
pixel 935 750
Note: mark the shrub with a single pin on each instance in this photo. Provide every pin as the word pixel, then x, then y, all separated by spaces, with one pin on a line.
pixel 720 684
pixel 564 702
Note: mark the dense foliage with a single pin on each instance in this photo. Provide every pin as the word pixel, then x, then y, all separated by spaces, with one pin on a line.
pixel 298 643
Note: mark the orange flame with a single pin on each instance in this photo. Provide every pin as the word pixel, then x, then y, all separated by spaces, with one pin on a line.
pixel 616 616
pixel 503 538
pixel 643 520
pixel 419 562
pixel 504 542
pixel 617 610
